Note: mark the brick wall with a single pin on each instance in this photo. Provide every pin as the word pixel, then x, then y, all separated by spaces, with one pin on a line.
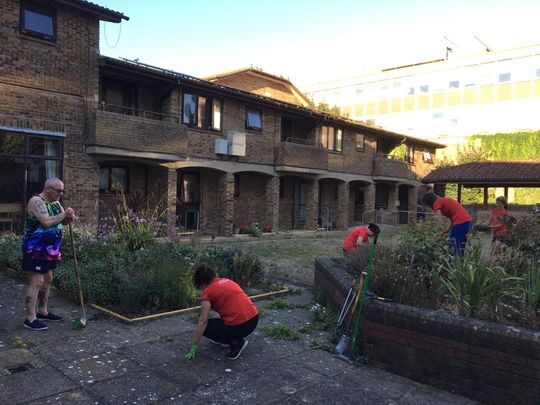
pixel 250 204
pixel 483 360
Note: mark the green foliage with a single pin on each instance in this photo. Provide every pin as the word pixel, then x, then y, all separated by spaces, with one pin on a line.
pixel 280 331
pixel 325 107
pixel 10 251
pixel 511 146
pixel 279 303
pixel 531 288
pixel 427 240
pixel 399 152
pixel 471 282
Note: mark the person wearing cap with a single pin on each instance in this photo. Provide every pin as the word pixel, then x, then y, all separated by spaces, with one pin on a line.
pixel 460 220
pixel 358 236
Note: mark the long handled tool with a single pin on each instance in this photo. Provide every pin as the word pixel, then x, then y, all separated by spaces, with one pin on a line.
pixel 81 322
pixel 342 347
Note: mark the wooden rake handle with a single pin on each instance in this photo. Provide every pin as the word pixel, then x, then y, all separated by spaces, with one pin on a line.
pixel 77 272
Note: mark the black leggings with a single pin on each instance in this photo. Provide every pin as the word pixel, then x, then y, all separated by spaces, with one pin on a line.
pixel 230 335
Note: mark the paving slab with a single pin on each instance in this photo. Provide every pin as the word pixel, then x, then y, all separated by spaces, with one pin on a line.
pixel 98 367
pixel 110 362
pixel 259 386
pixel 33 384
pixel 77 397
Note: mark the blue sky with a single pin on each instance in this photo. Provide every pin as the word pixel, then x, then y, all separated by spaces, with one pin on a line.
pixel 311 41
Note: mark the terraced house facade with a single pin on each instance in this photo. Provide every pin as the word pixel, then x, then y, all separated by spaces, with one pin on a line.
pixel 213 157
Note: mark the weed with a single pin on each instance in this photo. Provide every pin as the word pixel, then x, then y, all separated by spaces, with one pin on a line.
pixel 19 343
pixel 279 303
pixel 322 345
pixel 280 331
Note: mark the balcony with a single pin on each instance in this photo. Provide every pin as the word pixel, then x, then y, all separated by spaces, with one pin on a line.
pixel 385 166
pixel 301 154
pixel 138 130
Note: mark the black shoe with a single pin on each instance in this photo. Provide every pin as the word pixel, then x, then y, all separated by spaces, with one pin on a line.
pixel 218 343
pixel 36 324
pixel 49 317
pixel 236 351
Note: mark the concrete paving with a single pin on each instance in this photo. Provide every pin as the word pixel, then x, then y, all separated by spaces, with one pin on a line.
pixel 110 362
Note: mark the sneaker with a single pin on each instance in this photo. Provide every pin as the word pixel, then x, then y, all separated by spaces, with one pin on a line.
pixel 49 317
pixel 36 324
pixel 218 343
pixel 237 350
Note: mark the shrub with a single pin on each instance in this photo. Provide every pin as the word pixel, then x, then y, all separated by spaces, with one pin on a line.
pixel 427 240
pixel 10 251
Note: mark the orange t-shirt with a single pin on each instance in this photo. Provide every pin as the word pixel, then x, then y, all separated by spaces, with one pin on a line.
pixel 350 243
pixel 229 301
pixel 499 216
pixel 452 210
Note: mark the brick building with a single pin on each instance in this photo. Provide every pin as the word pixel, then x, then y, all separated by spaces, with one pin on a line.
pixel 209 155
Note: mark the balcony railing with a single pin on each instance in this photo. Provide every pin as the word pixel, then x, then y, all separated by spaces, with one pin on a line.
pixel 391 167
pixel 138 112
pixel 308 155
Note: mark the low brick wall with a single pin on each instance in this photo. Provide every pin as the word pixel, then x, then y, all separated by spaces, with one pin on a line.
pixel 482 360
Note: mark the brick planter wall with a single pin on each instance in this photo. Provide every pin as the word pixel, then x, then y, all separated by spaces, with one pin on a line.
pixel 483 360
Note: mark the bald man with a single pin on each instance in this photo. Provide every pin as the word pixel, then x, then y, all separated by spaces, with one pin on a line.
pixel 41 245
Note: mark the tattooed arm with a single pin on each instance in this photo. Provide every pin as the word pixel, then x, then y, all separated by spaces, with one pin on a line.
pixel 36 207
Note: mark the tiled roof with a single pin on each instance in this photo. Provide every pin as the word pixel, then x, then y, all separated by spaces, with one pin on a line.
pixel 103 13
pixel 488 173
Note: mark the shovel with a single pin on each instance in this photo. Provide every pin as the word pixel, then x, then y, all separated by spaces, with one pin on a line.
pixel 80 323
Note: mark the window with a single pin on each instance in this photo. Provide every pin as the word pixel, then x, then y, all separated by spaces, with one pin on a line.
pixel 281 188
pixel 236 185
pixel 410 154
pixel 537 72
pixel 504 77
pixel 427 156
pixel 253 119
pixel 360 142
pixel 113 178
pixel 201 112
pixel 119 97
pixel 38 20
pixel 332 138
pixel 424 88
pixel 454 84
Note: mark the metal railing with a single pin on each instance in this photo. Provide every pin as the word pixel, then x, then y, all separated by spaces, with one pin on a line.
pixel 382 216
pixel 138 112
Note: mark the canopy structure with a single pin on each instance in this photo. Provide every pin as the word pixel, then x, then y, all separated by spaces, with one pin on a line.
pixel 488 174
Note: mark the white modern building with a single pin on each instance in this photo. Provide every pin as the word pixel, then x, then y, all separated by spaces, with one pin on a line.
pixel 497 91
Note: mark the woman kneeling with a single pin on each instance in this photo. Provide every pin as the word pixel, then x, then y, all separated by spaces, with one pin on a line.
pixel 238 315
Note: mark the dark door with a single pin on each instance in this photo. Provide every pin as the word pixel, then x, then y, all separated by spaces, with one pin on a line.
pixel 190 199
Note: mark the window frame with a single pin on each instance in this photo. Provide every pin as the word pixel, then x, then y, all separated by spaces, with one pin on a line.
pixel 332 142
pixel 38 8
pixel 363 147
pixel 409 157
pixel 257 111
pixel 208 123
pixel 109 188
pixel 427 152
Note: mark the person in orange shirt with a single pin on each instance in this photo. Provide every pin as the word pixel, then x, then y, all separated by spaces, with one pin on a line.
pixel 498 222
pixel 358 236
pixel 460 220
pixel 238 315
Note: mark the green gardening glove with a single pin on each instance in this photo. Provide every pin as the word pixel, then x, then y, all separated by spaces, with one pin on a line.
pixel 192 352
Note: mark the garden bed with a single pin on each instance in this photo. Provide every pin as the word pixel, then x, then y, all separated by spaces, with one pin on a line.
pixel 480 359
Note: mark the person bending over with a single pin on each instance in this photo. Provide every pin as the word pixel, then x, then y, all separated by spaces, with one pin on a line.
pixel 359 236
pixel 238 315
pixel 460 220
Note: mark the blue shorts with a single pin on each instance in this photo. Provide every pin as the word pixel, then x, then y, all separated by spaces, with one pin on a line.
pixel 38 265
